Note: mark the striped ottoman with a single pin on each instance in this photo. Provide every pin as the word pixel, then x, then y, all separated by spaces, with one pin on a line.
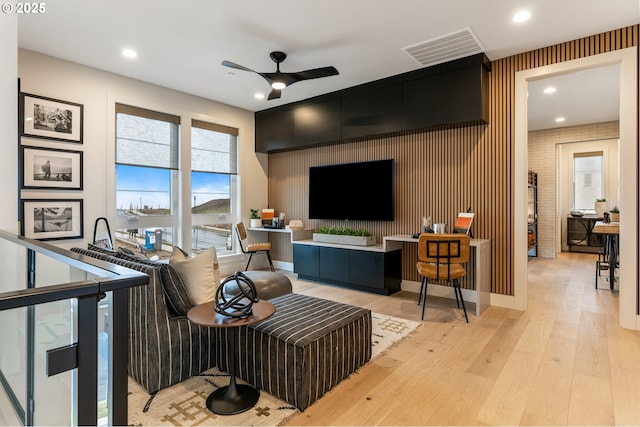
pixel 306 348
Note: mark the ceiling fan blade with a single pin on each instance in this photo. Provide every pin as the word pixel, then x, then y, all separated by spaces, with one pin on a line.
pixel 291 78
pixel 316 73
pixel 236 66
pixel 274 94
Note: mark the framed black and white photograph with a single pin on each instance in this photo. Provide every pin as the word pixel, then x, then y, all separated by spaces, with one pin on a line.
pixel 50 168
pixel 43 117
pixel 52 219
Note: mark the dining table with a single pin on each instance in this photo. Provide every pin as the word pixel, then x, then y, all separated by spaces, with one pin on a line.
pixel 611 231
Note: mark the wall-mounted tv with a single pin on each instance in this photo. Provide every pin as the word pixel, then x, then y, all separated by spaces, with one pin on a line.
pixel 352 191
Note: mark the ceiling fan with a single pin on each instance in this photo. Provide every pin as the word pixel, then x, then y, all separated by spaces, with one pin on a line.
pixel 279 80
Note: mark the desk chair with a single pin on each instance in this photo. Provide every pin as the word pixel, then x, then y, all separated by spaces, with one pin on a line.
pixel 440 257
pixel 253 248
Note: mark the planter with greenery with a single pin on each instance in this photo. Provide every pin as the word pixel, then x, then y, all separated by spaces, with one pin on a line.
pixel 600 207
pixel 344 236
pixel 615 214
pixel 255 218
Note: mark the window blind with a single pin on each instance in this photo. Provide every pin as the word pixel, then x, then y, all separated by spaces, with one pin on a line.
pixel 214 148
pixel 146 137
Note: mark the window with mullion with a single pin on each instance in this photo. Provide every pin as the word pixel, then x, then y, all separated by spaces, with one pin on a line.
pixel 213 171
pixel 147 144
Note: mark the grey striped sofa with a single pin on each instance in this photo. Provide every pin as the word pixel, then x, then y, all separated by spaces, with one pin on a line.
pixel 164 346
pixel 305 349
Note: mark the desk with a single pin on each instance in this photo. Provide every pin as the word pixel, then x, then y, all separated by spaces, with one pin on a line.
pixel 281 242
pixel 296 233
pixel 234 398
pixel 611 231
pixel 482 258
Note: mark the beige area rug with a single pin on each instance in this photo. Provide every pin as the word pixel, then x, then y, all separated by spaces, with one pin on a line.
pixel 184 404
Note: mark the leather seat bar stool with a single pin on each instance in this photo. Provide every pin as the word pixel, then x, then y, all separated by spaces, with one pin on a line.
pixel 440 257
pixel 253 248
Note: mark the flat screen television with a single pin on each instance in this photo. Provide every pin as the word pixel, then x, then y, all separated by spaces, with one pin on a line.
pixel 352 191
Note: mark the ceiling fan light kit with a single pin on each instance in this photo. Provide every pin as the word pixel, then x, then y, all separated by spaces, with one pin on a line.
pixel 279 80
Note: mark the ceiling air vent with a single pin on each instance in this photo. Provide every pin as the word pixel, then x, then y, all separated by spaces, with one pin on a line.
pixel 445 48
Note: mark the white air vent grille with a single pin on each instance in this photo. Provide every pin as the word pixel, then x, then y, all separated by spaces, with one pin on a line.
pixel 445 48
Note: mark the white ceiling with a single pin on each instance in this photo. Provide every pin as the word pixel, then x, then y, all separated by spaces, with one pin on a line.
pixel 180 45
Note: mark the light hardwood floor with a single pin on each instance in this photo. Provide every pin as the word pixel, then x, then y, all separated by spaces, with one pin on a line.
pixel 565 361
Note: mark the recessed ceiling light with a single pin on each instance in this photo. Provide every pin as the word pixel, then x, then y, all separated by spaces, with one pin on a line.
pixel 560 119
pixel 522 16
pixel 278 85
pixel 259 95
pixel 549 90
pixel 129 53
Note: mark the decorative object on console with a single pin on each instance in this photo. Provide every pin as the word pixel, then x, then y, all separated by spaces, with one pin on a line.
pixel 200 274
pixel 576 214
pixel 440 228
pixel 600 207
pixel 344 236
pixel 615 214
pixel 256 221
pixel 296 224
pixel 463 223
pixel 237 306
pixel 267 216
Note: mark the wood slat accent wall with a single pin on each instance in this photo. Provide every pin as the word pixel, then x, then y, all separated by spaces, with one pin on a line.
pixel 440 173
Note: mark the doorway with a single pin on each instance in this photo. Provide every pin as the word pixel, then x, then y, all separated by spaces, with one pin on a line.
pixel 626 59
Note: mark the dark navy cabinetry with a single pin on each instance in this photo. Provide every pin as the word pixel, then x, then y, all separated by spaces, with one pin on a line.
pixel 367 270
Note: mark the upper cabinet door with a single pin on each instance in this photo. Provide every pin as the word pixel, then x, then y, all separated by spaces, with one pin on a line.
pixel 372 112
pixel 447 98
pixel 274 131
pixel 318 122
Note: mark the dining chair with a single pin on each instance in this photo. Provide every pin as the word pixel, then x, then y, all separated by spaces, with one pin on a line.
pixel 440 258
pixel 602 263
pixel 253 248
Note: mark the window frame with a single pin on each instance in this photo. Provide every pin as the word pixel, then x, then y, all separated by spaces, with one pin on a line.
pixel 181 221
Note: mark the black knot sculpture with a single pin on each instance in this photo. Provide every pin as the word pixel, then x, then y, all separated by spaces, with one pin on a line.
pixel 235 296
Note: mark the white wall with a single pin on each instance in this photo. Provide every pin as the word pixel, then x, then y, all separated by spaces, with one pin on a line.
pixel 8 121
pixel 97 90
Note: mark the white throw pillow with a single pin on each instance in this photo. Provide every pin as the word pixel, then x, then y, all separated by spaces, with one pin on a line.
pixel 200 274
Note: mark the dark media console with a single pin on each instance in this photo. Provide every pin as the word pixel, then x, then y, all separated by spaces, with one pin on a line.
pixel 366 268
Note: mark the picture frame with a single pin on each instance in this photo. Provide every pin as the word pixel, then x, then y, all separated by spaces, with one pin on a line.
pixel 52 219
pixel 50 168
pixel 48 118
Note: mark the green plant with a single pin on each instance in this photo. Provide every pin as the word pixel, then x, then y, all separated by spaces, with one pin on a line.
pixel 614 210
pixel 602 199
pixel 254 214
pixel 346 231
